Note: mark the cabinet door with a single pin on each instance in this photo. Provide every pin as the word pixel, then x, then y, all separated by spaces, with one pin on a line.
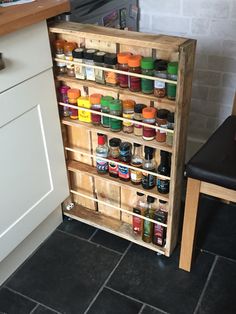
pixel 32 164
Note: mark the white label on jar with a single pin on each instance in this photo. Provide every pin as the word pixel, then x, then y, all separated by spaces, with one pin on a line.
pixel 128 116
pixel 159 84
pixel 90 74
pixel 164 126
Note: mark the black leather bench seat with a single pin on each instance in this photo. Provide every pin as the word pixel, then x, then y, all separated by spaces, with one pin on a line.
pixel 215 162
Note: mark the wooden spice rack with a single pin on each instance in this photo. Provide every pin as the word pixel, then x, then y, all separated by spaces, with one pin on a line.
pixel 100 200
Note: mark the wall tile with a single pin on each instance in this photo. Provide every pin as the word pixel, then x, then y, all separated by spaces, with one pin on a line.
pixel 229 48
pixel 229 80
pixel 209 8
pixel 221 95
pixel 223 30
pixel 223 64
pixel 160 6
pixel 200 26
pixel 210 78
pixel 199 92
pixel 170 25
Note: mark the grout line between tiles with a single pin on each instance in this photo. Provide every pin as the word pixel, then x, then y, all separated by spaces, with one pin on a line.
pixel 35 301
pixel 36 306
pixel 142 308
pixel 206 285
pixel 93 234
pixel 221 256
pixel 108 278
pixel 93 243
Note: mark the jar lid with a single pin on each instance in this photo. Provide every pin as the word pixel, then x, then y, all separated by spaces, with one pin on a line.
pixel 171 117
pixel 116 104
pixel 134 61
pixel 123 57
pixel 95 99
pixel 162 113
pixel 172 68
pixel 78 53
pixel 149 112
pixel 101 139
pixel 89 54
pixel 160 65
pixel 147 63
pixel 137 145
pixel 162 202
pixel 125 146
pixel 69 46
pixel 110 58
pixel 114 142
pixel 83 101
pixel 150 199
pixel 148 150
pixel 105 100
pixel 59 43
pixel 138 108
pixel 128 104
pixel 99 56
pixel 73 93
pixel 63 89
pixel 139 194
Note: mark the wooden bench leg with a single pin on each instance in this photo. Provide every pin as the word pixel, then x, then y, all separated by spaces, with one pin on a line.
pixel 189 224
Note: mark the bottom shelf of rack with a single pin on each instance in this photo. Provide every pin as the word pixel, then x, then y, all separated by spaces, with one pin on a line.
pixel 111 225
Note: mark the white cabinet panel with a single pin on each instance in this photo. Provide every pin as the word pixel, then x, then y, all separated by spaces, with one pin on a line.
pixel 25 53
pixel 32 166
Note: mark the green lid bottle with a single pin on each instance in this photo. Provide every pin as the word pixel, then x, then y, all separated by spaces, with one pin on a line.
pixel 105 102
pixel 147 67
pixel 115 110
pixel 172 72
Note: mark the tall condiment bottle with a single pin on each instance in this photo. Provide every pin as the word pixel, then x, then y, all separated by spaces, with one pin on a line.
pixel 101 151
pixel 149 180
pixel 148 225
pixel 163 185
pixel 139 208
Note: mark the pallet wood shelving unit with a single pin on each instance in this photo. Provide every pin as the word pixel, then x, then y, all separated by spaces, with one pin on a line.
pixel 106 202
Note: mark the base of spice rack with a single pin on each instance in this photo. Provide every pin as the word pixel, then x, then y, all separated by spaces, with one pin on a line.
pixel 111 225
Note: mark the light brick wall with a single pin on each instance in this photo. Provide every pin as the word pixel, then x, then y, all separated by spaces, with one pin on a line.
pixel 213 24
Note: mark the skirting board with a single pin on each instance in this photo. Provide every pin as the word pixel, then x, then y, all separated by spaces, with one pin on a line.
pixel 30 244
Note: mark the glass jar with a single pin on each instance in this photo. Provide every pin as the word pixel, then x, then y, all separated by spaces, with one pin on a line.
pixel 78 55
pixel 65 112
pixel 137 162
pixel 125 158
pixel 147 68
pixel 128 113
pixel 163 205
pixel 89 60
pixel 122 59
pixel 68 48
pixel 161 121
pixel 73 94
pixel 59 53
pixel 149 117
pixel 84 102
pixel 115 110
pixel 114 154
pixel 138 116
pixel 95 101
pixel 172 71
pixel 110 61
pixel 105 108
pixel 160 71
pixel 134 67
pixel 170 126
pixel 99 61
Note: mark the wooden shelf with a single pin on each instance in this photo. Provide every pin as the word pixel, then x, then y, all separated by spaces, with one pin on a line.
pixel 111 225
pixel 123 136
pixel 162 102
pixel 76 166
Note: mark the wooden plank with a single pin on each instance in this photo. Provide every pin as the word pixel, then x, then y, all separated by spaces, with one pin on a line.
pixel 162 42
pixel 16 17
pixel 101 45
pixel 75 166
pixel 128 198
pixel 110 225
pixel 183 99
pixel 218 191
pixel 189 224
pixel 142 51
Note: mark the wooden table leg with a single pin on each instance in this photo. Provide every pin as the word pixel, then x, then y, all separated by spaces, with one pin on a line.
pixel 189 224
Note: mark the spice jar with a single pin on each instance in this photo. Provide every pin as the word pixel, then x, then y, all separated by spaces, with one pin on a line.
pixel 138 116
pixel 64 98
pixel 172 71
pixel 95 101
pixel 125 158
pixel 128 113
pixel 105 108
pixel 134 67
pixel 88 59
pixel 59 53
pixel 160 71
pixel 83 102
pixel 170 126
pixel 122 59
pixel 110 61
pixel 115 110
pixel 149 115
pixel 161 121
pixel 73 94
pixel 99 61
pixel 147 67
pixel 114 154
pixel 78 55
pixel 68 48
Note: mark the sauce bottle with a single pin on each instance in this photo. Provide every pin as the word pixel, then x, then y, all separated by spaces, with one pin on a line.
pixel 159 232
pixel 139 209
pixel 101 151
pixel 163 185
pixel 136 161
pixel 148 225
pixel 148 180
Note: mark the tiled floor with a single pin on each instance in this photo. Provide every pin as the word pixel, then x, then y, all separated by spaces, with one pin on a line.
pixel 83 270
